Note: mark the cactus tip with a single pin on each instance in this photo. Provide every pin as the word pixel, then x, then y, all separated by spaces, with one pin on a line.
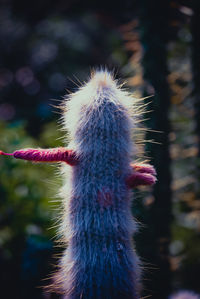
pixel 102 79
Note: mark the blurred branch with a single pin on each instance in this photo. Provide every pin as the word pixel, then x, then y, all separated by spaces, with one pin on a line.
pixel 154 32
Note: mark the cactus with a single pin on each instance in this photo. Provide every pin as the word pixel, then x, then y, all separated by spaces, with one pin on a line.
pixel 97 226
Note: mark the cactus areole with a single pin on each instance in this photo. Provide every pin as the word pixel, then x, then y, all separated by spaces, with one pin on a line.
pixel 99 261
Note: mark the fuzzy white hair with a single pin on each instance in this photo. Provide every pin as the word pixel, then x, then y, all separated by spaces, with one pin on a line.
pixel 100 261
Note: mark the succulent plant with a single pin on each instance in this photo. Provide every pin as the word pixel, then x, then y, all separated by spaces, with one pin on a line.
pixel 97 225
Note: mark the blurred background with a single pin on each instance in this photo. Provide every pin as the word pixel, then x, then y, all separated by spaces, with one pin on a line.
pixel 47 47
